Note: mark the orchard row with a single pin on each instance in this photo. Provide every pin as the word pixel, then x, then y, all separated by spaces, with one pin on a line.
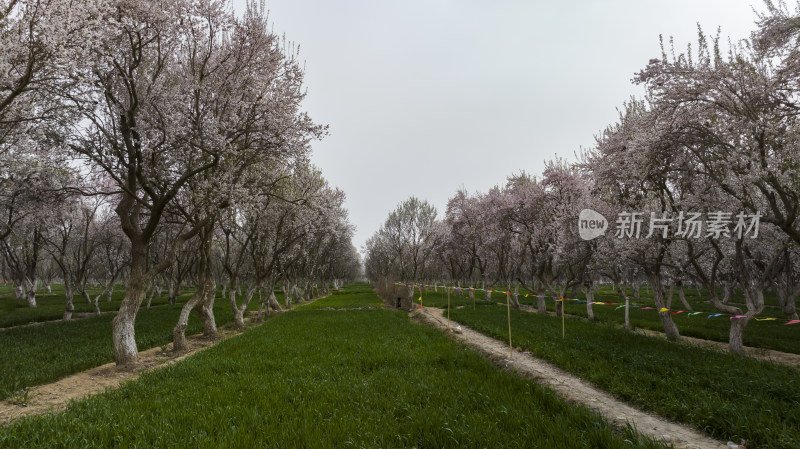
pixel 716 136
pixel 160 144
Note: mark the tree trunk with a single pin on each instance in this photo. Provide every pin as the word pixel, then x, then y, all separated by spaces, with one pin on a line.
pixel 94 302
pixel 670 329
pixel 515 297
pixel 110 291
pixel 471 294
pixel 488 295
pixel 179 331
pixel 670 294
pixel 238 319
pixel 126 354
pixel 287 290
pixel 682 296
pixel 589 300
pixel 408 304
pixel 787 301
pixel 541 305
pixel 30 292
pixel 172 292
pixel 727 289
pixel 627 314
pixel 19 292
pixel 69 308
pixel 150 297
pixel 736 336
pixel 238 313
pixel 206 310
pixel 273 303
pixel 261 303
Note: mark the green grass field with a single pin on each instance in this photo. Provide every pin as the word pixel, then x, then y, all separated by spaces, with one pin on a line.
pixel 322 379
pixel 725 395
pixel 353 296
pixel 50 306
pixel 759 334
pixel 34 355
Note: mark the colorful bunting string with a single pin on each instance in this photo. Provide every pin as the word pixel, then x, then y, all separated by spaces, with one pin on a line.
pixel 580 301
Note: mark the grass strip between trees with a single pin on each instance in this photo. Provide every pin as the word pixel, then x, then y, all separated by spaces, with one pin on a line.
pixel 320 379
pixel 726 395
pixel 758 334
pixel 35 355
pixel 354 296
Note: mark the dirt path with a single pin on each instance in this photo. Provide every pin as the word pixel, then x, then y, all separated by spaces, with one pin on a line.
pixel 783 358
pixel 574 389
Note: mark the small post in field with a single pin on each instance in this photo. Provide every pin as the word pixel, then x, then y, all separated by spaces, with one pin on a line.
pixel 448 306
pixel 508 309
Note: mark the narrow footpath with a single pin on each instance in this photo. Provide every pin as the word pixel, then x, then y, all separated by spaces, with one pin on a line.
pixel 571 387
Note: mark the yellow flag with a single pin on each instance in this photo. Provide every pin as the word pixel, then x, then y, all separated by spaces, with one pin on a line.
pixel 664 309
pixel 420 299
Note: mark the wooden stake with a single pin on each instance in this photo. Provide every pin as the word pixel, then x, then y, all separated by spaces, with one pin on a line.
pixel 448 307
pixel 508 309
pixel 563 331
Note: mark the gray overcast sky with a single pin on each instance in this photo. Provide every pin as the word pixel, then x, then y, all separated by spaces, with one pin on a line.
pixel 426 97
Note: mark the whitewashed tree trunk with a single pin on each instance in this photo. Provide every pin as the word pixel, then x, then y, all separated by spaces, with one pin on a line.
pixel 69 308
pixel 123 334
pixel 589 300
pixel 515 297
pixel 179 331
pixel 670 329
pixel 206 311
pixel 736 336
pixel 541 305
pixel 273 302
pixel 787 301
pixel 94 302
pixel 30 292
pixel 627 314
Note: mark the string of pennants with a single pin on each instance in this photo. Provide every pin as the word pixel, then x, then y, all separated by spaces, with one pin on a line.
pixel 619 306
